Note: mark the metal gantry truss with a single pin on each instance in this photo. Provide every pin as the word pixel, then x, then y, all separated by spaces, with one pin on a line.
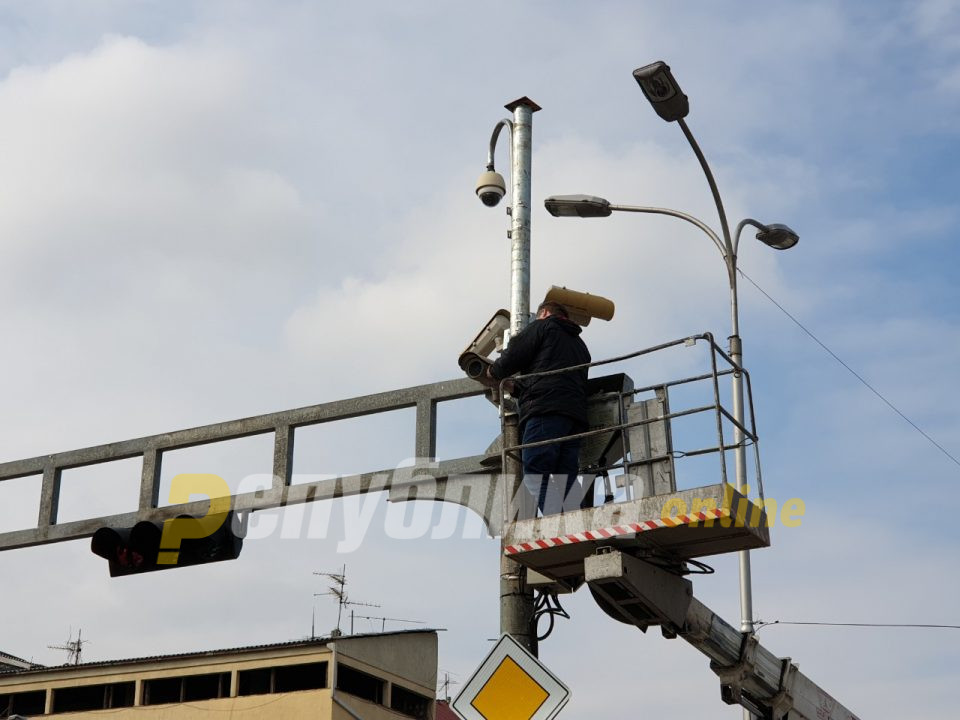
pixel 282 425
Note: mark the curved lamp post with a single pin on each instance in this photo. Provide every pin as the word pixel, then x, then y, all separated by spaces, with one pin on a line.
pixel 491 187
pixel 671 104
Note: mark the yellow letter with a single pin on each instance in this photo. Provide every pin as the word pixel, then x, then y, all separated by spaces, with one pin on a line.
pixel 793 510
pixel 727 505
pixel 769 507
pixel 742 504
pixel 175 530
pixel 700 504
pixel 673 507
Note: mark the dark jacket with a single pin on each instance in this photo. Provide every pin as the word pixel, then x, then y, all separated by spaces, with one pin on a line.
pixel 548 344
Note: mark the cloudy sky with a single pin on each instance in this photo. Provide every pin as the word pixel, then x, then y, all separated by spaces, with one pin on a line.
pixel 210 210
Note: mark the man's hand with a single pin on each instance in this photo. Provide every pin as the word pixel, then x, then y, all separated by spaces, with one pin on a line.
pixel 495 383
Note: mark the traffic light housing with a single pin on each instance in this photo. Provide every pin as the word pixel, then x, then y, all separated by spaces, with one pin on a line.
pixel 178 542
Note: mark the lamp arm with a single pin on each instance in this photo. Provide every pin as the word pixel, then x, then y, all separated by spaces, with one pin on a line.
pixel 729 248
pixel 743 223
pixel 506 122
pixel 677 214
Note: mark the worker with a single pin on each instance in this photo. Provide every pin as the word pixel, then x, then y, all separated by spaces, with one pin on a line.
pixel 550 406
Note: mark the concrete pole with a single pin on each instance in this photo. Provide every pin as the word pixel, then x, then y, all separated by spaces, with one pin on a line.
pixel 516 601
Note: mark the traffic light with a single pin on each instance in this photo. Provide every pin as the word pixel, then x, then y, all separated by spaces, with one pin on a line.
pixel 128 550
pixel 184 540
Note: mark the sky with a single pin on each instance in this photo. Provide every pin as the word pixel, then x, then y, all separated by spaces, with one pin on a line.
pixel 211 210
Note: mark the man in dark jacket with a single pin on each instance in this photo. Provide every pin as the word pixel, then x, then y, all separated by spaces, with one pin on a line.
pixel 551 406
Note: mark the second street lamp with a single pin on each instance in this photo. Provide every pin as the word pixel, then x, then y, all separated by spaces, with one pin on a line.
pixel 777 236
pixel 670 103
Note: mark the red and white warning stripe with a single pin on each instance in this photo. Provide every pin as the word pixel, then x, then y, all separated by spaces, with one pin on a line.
pixel 625 529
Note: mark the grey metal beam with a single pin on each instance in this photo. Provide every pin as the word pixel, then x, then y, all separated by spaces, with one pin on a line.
pixel 426 438
pixel 383 480
pixel 237 429
pixel 282 456
pixel 282 424
pixel 150 479
pixel 49 495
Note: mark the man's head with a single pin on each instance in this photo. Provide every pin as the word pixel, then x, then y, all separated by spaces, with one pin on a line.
pixel 549 308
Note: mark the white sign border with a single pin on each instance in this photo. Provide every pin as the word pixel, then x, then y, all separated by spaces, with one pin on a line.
pixel 507 646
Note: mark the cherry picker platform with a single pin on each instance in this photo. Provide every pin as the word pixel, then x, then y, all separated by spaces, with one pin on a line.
pixel 633 553
pixel 631 431
pixel 719 520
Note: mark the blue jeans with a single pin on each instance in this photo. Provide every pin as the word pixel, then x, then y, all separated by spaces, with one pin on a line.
pixel 561 459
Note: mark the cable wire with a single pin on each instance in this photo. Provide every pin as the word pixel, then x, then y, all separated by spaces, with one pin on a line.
pixel 762 623
pixel 547 603
pixel 850 369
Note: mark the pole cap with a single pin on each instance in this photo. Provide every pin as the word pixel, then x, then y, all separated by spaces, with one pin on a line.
pixel 511 106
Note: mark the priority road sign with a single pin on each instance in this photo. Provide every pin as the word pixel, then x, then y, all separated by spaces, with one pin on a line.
pixel 511 684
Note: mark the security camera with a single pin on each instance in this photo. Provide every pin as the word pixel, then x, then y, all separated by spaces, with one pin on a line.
pixel 475 359
pixel 474 365
pixel 490 188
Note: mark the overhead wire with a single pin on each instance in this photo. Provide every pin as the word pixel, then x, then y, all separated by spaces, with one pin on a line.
pixel 850 369
pixel 759 624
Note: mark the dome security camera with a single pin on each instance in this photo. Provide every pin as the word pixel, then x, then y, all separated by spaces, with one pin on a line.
pixel 490 188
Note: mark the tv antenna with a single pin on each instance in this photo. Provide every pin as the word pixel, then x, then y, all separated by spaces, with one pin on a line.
pixel 338 589
pixel 445 684
pixel 72 647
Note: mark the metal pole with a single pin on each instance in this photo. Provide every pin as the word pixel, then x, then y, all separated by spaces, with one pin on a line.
pixel 740 454
pixel 520 161
pixel 736 354
pixel 516 601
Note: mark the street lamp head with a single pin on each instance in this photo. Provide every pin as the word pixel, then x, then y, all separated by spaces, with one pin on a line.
pixel 777 236
pixel 491 187
pixel 584 206
pixel 662 91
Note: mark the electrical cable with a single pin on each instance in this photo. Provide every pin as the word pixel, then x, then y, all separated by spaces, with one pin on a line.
pixel 701 568
pixel 680 568
pixel 850 369
pixel 547 603
pixel 759 624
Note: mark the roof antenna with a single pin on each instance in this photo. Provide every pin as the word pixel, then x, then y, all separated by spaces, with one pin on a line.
pixel 445 686
pixel 339 590
pixel 73 647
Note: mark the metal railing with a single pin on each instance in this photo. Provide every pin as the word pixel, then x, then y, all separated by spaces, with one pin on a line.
pixel 721 364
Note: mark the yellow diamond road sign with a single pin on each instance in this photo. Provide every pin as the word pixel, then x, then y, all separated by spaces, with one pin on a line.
pixel 511 684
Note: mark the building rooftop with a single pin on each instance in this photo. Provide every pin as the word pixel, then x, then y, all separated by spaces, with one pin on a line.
pixel 10 662
pixel 444 712
pixel 23 667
